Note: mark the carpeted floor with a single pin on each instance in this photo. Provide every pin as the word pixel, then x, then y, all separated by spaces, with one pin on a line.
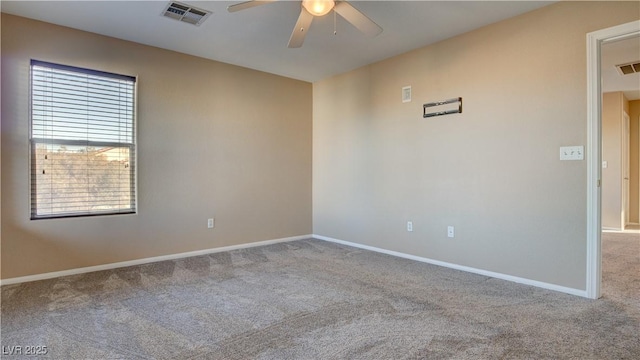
pixel 312 299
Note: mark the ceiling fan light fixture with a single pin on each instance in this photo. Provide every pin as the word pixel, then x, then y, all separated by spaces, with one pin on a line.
pixel 318 7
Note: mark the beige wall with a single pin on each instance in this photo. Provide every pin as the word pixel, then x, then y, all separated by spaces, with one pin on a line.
pixel 613 106
pixel 213 140
pixel 634 158
pixel 493 171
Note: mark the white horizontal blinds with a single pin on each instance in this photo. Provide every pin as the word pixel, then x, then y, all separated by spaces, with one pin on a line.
pixel 82 142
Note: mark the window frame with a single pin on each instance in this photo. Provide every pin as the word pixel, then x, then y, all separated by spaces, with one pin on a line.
pixel 34 141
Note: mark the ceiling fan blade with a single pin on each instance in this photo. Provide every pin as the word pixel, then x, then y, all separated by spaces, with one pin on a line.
pixel 247 5
pixel 300 31
pixel 357 19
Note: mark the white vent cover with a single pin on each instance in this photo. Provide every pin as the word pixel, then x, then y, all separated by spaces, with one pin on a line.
pixel 630 68
pixel 187 13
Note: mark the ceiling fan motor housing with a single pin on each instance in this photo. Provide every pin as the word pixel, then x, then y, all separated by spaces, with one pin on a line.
pixel 318 7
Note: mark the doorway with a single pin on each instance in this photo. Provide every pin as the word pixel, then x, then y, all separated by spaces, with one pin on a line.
pixel 595 40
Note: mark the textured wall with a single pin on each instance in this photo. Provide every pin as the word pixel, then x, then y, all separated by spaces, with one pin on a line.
pixel 213 140
pixel 493 171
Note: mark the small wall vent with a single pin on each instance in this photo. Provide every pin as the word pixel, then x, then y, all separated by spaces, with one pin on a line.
pixel 630 68
pixel 186 13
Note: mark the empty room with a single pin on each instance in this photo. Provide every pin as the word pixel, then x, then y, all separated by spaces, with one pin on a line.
pixel 320 179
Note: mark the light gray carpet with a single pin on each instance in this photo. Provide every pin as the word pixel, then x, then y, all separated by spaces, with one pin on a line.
pixel 316 300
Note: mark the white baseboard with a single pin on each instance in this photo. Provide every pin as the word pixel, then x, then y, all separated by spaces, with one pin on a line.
pixel 83 270
pixel 496 275
pixel 519 280
pixel 610 229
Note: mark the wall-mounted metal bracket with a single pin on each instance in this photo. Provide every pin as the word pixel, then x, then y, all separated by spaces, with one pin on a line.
pixel 444 112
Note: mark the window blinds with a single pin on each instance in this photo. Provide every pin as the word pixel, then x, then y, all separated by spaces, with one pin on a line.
pixel 82 142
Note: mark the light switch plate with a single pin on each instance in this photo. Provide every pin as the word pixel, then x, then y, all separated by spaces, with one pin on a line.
pixel 572 153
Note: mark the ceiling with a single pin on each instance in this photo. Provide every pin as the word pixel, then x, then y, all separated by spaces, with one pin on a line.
pixel 257 38
pixel 617 53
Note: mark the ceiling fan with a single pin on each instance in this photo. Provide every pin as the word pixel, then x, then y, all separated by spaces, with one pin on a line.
pixel 312 8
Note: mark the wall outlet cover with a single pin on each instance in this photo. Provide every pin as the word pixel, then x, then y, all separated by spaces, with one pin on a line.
pixel 406 94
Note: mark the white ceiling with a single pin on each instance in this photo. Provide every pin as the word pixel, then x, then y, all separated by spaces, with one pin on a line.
pixel 257 38
pixel 617 53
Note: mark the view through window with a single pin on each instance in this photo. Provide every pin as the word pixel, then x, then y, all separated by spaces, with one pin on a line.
pixel 82 142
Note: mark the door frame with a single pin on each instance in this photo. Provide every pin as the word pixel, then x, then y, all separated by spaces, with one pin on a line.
pixel 594 148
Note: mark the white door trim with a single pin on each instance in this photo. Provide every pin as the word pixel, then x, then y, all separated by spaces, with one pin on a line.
pixel 594 148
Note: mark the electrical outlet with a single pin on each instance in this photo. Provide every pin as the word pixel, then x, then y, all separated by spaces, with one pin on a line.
pixel 210 223
pixel 450 231
pixel 406 94
pixel 409 226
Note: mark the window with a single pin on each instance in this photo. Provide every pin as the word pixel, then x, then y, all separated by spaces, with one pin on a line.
pixel 82 142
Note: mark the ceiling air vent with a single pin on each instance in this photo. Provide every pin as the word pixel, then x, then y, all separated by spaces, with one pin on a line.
pixel 630 68
pixel 187 13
